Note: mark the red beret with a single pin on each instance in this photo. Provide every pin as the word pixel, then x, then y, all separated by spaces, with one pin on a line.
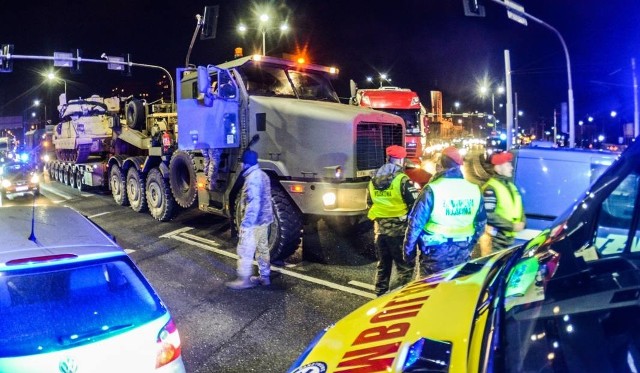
pixel 396 151
pixel 501 158
pixel 452 152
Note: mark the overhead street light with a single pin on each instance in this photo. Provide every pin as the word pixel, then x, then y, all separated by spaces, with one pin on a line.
pixel 52 77
pixel 263 26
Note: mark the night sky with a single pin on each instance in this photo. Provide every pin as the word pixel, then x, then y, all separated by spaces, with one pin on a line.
pixel 423 45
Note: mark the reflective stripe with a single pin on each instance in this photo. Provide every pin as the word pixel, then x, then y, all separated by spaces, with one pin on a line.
pixel 456 202
pixel 388 203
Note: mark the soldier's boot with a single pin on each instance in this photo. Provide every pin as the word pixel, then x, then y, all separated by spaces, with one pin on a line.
pixel 260 280
pixel 240 283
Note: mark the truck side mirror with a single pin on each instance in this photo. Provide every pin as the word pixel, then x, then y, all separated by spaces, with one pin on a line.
pixel 204 80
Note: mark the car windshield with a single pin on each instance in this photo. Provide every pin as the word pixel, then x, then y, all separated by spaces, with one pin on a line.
pixel 281 81
pixel 14 170
pixel 572 300
pixel 70 305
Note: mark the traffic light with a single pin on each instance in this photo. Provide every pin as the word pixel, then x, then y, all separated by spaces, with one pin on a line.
pixel 6 64
pixel 473 8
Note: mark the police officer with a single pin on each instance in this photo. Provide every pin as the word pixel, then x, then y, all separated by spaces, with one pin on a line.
pixel 391 196
pixel 447 218
pixel 502 201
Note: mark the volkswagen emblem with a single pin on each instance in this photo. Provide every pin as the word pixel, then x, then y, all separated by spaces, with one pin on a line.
pixel 68 365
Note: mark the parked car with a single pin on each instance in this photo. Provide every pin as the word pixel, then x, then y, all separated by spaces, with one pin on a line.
pixel 566 301
pixel 18 178
pixel 71 300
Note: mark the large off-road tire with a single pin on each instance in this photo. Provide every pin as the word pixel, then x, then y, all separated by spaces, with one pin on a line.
pixel 182 179
pixel 118 186
pixel 286 230
pixel 135 114
pixel 135 190
pixel 159 199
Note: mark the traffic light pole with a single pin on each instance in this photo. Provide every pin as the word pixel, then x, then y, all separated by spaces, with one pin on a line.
pixel 520 11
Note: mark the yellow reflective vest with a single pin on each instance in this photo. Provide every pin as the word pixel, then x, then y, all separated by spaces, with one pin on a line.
pixel 388 203
pixel 509 202
pixel 456 202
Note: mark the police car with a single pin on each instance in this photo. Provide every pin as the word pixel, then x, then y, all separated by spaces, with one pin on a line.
pixel 566 301
pixel 71 300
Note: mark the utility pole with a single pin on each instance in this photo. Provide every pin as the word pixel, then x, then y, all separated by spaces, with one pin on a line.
pixel 509 118
pixel 636 114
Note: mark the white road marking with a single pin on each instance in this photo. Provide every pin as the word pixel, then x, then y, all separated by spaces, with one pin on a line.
pixel 199 239
pixel 100 214
pixel 51 190
pixel 177 231
pixel 362 285
pixel 208 245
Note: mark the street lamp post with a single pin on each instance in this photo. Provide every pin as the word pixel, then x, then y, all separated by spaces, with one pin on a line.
pixel 51 77
pixel 263 27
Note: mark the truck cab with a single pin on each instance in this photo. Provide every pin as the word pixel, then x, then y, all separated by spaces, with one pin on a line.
pixel 318 152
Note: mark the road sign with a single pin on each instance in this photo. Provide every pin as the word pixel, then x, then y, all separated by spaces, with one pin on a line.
pixel 62 59
pixel 515 12
pixel 115 66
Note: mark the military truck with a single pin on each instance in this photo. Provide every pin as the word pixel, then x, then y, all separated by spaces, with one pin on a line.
pixel 318 152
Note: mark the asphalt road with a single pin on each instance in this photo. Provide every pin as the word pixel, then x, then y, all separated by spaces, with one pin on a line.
pixel 188 261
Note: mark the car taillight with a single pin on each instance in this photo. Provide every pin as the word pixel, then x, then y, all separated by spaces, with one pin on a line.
pixel 168 344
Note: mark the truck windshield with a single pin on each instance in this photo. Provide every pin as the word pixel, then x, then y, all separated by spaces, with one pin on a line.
pixel 273 80
pixel 411 119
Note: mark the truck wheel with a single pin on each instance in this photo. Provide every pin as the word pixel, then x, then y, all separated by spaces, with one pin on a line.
pixel 72 178
pixel 65 176
pixel 118 186
pixel 182 179
pixel 135 190
pixel 285 231
pixel 79 177
pixel 159 199
pixel 135 114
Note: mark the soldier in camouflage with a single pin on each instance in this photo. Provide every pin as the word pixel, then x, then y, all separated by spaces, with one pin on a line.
pixel 447 218
pixel 391 196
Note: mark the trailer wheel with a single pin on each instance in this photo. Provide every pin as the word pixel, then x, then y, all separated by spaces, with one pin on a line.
pixel 182 179
pixel 79 177
pixel 57 172
pixel 135 114
pixel 159 200
pixel 118 186
pixel 51 172
pixel 65 176
pixel 286 230
pixel 72 177
pixel 135 190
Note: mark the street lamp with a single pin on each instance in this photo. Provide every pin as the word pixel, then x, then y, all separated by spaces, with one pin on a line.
pixel 484 90
pixel 263 27
pixel 51 77
pixel 37 103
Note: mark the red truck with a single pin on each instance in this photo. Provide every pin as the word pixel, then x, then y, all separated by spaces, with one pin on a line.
pixel 404 103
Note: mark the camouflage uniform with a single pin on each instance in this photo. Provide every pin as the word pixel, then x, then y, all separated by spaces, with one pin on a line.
pixel 389 232
pixel 211 166
pixel 257 214
pixel 437 256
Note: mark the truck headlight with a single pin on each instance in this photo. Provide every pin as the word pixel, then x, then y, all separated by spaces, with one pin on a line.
pixel 46 158
pixel 6 183
pixel 329 199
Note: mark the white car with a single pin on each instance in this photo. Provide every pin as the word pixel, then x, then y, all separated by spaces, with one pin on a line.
pixel 71 300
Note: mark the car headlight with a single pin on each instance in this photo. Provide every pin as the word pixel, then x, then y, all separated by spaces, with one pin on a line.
pixel 6 183
pixel 35 179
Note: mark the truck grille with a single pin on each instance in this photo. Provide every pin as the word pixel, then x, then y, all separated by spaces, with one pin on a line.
pixel 371 141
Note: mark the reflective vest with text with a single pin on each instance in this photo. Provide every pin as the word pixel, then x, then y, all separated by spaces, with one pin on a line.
pixel 388 203
pixel 456 202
